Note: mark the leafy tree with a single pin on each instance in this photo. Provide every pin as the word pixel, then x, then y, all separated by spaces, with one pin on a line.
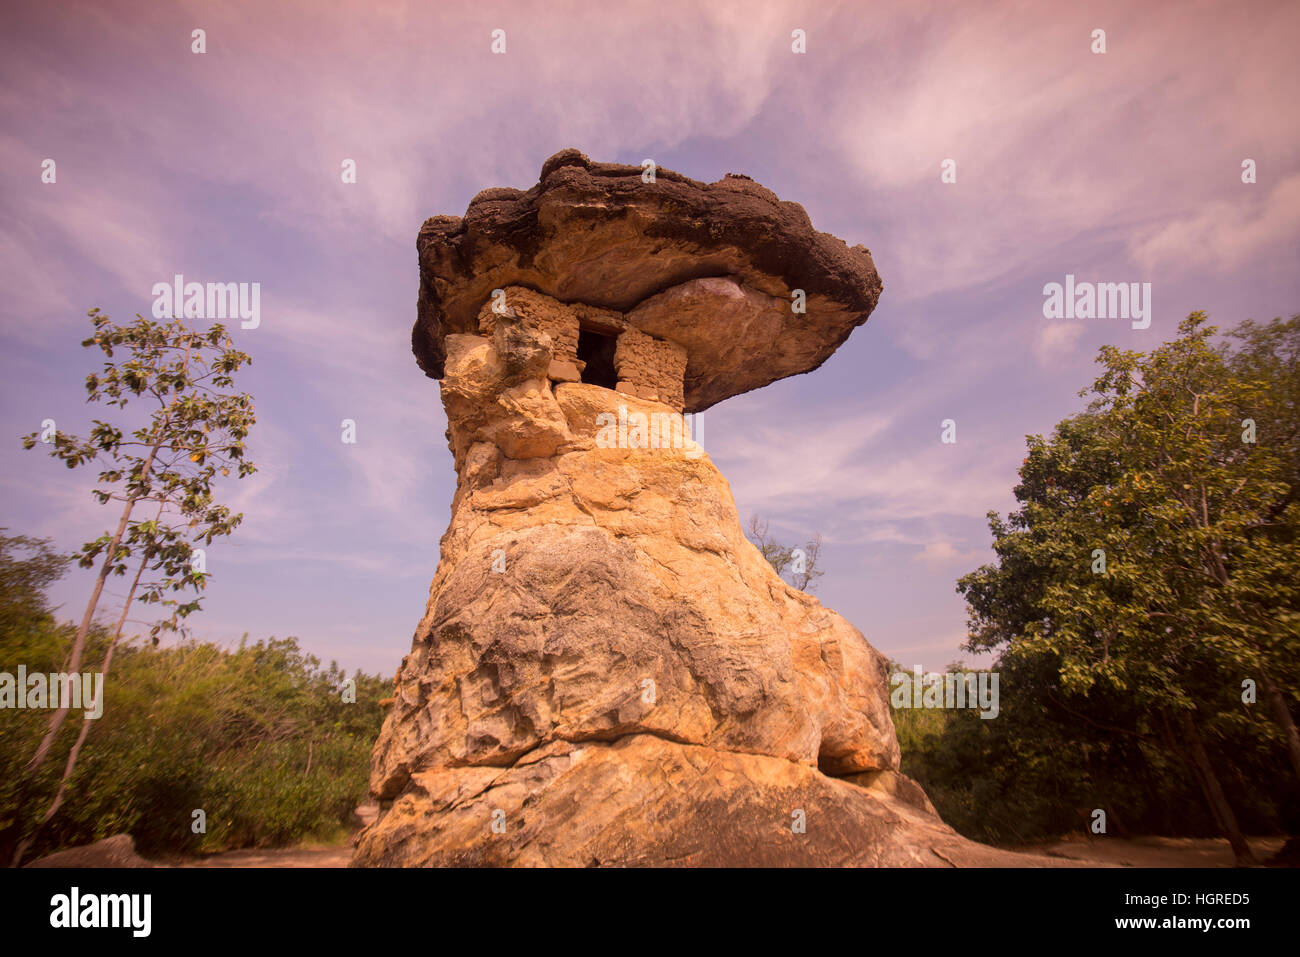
pixel 30 635
pixel 261 738
pixel 195 429
pixel 23 607
pixel 1153 556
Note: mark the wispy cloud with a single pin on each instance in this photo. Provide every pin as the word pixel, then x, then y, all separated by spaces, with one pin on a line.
pixel 1224 234
pixel 226 167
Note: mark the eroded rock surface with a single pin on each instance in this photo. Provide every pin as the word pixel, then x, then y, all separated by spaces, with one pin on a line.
pixel 644 801
pixel 591 593
pixel 598 234
pixel 608 672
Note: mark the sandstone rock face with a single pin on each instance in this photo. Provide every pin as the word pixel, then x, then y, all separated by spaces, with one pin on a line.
pixel 608 672
pixel 592 593
pixel 645 801
pixel 600 235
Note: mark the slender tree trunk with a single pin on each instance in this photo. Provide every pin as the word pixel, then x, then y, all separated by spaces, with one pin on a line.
pixel 1171 742
pixel 1277 704
pixel 1214 795
pixel 1282 715
pixel 79 642
pixel 85 725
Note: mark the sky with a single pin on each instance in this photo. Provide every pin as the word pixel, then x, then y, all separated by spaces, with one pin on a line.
pixel 225 166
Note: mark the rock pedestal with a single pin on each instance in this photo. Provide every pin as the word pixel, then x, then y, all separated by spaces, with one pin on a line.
pixel 607 671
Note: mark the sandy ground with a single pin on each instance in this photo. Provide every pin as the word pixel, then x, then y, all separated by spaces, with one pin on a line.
pixel 1137 852
pixel 1155 851
pixel 279 857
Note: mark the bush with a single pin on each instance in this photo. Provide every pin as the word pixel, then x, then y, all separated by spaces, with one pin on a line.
pixel 259 738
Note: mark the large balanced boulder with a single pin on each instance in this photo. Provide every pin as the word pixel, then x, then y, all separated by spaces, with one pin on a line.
pixel 600 234
pixel 607 671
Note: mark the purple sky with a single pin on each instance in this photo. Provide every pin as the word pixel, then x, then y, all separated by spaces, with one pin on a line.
pixel 1115 167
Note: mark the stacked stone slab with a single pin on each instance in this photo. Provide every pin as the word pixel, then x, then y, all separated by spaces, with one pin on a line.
pixel 648 367
pixel 608 672
pixel 713 267
pixel 538 312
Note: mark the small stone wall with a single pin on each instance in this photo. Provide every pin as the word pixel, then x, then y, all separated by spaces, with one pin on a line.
pixel 647 367
pixel 539 312
pixel 650 368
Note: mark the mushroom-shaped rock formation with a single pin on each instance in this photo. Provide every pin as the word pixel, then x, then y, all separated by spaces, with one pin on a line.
pixel 607 670
pixel 712 267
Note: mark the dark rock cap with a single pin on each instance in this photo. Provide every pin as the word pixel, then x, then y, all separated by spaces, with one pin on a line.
pixel 711 266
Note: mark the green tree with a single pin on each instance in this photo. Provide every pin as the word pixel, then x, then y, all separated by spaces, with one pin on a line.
pixel 165 467
pixel 23 606
pixel 1154 553
pixel 29 635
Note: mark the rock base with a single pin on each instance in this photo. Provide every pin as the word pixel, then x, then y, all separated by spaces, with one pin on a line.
pixel 646 801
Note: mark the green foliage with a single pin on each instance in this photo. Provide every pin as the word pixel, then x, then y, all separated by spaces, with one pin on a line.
pixel 195 430
pixel 1039 769
pixel 1109 673
pixel 259 737
pixel 25 615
